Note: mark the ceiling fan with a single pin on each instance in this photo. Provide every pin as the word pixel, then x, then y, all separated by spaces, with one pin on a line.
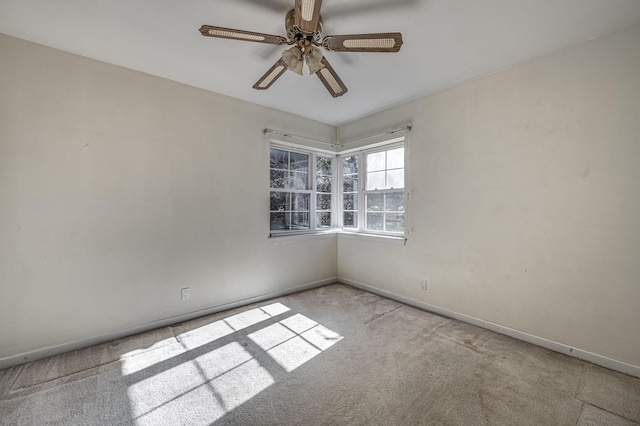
pixel 304 31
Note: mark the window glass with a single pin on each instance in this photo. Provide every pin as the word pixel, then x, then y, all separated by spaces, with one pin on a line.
pixel 350 187
pixel 376 180
pixel 324 176
pixel 394 202
pixel 395 158
pixel 384 192
pixel 395 179
pixel 290 195
pixel 376 161
pixel 299 162
pixel 385 169
pixel 279 159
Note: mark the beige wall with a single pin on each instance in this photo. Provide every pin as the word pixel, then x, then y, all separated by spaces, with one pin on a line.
pixel 524 199
pixel 118 188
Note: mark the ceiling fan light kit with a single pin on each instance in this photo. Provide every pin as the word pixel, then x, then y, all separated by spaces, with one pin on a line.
pixel 293 58
pixel 314 60
pixel 304 31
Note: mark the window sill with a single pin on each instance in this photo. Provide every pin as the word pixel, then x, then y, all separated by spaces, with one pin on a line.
pixel 285 238
pixel 389 239
pixel 331 233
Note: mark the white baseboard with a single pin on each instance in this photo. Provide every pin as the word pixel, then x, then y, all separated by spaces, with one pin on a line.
pixel 591 357
pixel 119 334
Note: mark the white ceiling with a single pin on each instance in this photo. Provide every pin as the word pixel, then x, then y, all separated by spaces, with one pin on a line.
pixel 445 42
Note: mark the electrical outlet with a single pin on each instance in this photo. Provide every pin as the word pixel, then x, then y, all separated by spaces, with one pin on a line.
pixel 185 293
pixel 423 285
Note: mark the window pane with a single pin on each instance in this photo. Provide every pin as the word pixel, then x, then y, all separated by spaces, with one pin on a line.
pixel 323 183
pixel 375 161
pixel 324 166
pixel 375 202
pixel 395 179
pixel 394 222
pixel 291 209
pixel 395 202
pixel 323 220
pixel 299 180
pixel 278 179
pixel 395 158
pixel 350 165
pixel 323 202
pixel 279 159
pixel 383 190
pixel 375 221
pixel 300 220
pixel 279 201
pixel 375 180
pixel 350 202
pixel 350 220
pixel 299 162
pixel 350 183
pixel 299 202
pixel 279 221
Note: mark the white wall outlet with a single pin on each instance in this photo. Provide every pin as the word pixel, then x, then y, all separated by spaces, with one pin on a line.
pixel 423 285
pixel 185 293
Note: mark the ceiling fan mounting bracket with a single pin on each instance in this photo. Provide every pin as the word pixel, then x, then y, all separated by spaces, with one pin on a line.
pixel 294 33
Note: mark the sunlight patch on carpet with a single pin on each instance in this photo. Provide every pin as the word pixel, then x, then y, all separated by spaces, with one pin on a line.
pixel 204 388
pixel 199 379
pixel 294 340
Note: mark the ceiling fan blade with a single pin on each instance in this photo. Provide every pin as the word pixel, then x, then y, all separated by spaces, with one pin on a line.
pixel 271 76
pixel 379 42
pixel 330 79
pixel 210 31
pixel 307 13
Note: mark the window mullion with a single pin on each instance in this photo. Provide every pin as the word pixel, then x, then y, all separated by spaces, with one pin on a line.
pixel 360 195
pixel 384 211
pixel 336 192
pixel 312 187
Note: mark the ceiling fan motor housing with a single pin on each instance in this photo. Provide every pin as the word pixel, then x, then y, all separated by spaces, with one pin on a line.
pixel 294 33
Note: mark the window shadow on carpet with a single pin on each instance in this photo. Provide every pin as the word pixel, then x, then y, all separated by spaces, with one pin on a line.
pixel 216 367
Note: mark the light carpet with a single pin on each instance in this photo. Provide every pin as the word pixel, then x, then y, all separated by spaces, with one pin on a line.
pixel 335 355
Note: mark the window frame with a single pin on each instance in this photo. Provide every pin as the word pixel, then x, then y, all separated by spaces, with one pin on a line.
pixel 332 210
pixel 337 151
pixel 362 153
pixel 358 197
pixel 312 190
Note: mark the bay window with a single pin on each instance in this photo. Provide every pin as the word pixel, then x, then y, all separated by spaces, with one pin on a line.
pixel 360 189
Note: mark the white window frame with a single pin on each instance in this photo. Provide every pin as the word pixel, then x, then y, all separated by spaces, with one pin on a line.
pixel 337 151
pixel 358 192
pixel 362 152
pixel 313 155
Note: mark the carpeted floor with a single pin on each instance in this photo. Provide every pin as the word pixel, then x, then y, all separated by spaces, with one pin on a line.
pixel 330 356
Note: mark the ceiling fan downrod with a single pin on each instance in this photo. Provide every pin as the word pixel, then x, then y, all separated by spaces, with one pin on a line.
pixel 294 33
